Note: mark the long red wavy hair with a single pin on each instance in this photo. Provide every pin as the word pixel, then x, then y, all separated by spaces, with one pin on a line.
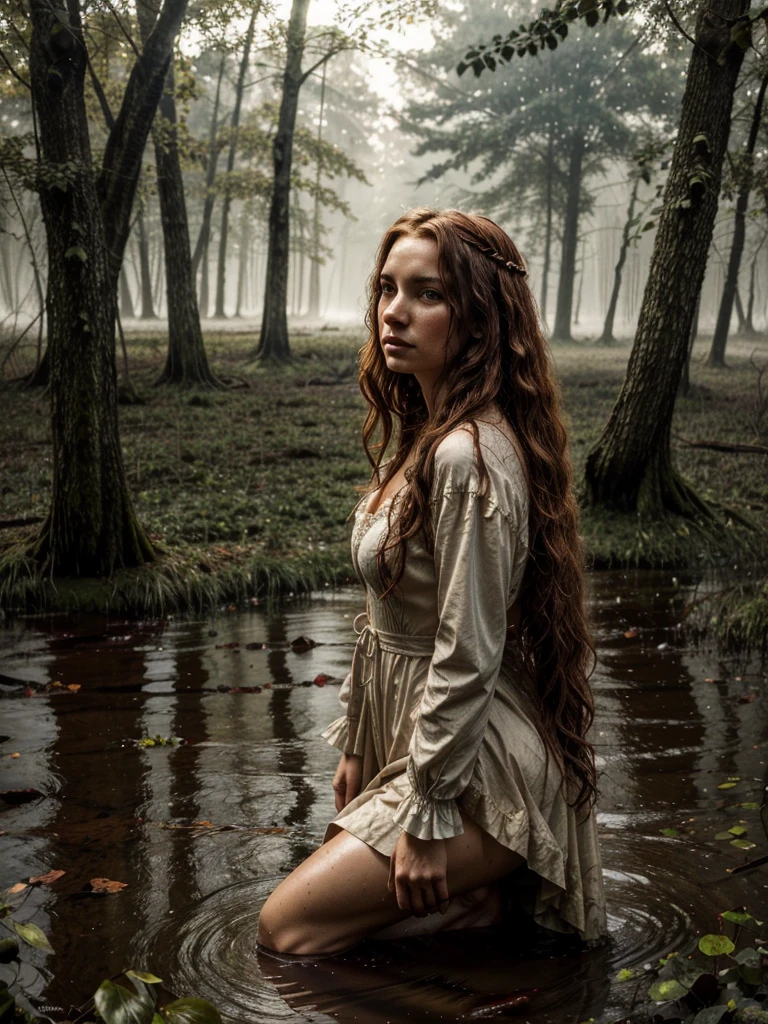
pixel 511 366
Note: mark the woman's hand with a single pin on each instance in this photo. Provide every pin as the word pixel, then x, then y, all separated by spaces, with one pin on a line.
pixel 346 781
pixel 417 875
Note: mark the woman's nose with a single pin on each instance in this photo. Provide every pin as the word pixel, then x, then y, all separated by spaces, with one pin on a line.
pixel 396 312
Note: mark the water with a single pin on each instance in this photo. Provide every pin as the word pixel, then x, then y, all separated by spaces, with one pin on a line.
pixel 673 723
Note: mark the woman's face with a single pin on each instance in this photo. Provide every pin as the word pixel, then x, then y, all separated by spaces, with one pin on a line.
pixel 414 315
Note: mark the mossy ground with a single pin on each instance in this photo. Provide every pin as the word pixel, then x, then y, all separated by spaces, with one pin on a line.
pixel 248 491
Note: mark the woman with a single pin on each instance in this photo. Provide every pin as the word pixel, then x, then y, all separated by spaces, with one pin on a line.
pixel 466 785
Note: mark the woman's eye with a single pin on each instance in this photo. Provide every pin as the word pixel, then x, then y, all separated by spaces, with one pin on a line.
pixel 431 294
pixel 386 288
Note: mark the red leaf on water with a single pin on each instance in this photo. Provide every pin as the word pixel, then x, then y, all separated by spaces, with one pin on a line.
pixel 321 679
pixel 47 879
pixel 107 885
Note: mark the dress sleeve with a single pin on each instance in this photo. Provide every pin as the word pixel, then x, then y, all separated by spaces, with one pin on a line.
pixel 477 567
pixel 338 732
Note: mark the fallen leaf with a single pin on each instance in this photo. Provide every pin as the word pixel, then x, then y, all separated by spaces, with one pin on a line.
pixel 743 844
pixel 107 885
pixel 746 698
pixel 303 643
pixel 726 785
pixel 208 824
pixel 19 887
pixel 321 680
pixel 48 878
pixel 15 754
pixel 630 634
pixel 74 687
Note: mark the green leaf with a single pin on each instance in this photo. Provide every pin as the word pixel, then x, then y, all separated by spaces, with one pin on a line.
pixel 76 251
pixel 715 945
pixel 750 805
pixel 119 1006
pixel 723 835
pixel 148 979
pixel 736 916
pixel 710 1015
pixel 461 68
pixel 738 830
pixel 723 785
pixel 33 935
pixel 670 832
pixel 9 950
pixel 191 1011
pixel 743 844
pixel 626 974
pixel 661 991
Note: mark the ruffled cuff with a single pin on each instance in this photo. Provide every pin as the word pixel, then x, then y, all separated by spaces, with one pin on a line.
pixel 425 818
pixel 337 733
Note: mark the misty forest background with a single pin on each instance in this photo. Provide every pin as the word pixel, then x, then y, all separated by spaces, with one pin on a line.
pixel 191 193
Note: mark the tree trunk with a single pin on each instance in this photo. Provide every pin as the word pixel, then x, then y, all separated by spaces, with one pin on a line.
pixel 564 308
pixel 630 467
pixel 147 305
pixel 607 338
pixel 720 337
pixel 242 263
pixel 273 342
pixel 91 528
pixel 740 314
pixel 221 276
pixel 203 238
pixel 313 310
pixel 749 325
pixel 127 312
pixel 186 362
pixel 548 228
pixel 685 383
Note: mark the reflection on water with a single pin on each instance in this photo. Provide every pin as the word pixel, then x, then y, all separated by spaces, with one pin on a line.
pixel 673 723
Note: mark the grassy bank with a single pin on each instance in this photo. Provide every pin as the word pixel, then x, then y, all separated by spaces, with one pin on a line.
pixel 248 491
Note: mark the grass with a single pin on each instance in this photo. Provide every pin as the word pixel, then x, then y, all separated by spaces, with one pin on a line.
pixel 248 491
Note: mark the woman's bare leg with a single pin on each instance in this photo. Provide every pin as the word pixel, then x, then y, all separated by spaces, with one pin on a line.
pixel 339 895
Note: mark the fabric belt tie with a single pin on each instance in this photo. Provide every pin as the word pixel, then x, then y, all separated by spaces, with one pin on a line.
pixel 370 643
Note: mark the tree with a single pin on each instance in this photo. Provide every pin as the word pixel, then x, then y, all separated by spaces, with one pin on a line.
pixel 273 342
pixel 730 288
pixel 186 361
pixel 91 527
pixel 630 467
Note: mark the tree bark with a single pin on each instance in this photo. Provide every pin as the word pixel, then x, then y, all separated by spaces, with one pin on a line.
pixel 210 177
pixel 186 361
pixel 548 227
pixel 145 272
pixel 630 467
pixel 221 275
pixel 607 338
pixel 91 528
pixel 720 337
pixel 273 342
pixel 564 307
pixel 313 309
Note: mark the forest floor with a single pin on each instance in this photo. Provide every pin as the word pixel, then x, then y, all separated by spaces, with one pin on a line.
pixel 249 490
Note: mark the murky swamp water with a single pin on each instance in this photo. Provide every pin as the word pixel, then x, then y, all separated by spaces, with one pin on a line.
pixel 673 723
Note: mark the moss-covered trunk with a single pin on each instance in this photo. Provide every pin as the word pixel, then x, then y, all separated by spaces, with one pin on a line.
pixel 630 467
pixel 91 527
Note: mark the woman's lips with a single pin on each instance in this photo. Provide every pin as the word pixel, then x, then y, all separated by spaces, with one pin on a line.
pixel 392 342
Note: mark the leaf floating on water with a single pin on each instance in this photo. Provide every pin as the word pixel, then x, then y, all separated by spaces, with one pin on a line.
pixel 321 679
pixel 661 991
pixel 47 879
pixel 738 830
pixel 750 805
pixel 73 687
pixel 106 885
pixel 191 1011
pixel 721 836
pixel 715 945
pixel 627 974
pixel 726 785
pixel 301 644
pixel 711 1014
pixel 671 833
pixel 33 935
pixel 736 916
pixel 743 844
pixel 159 741
pixel 19 887
pixel 630 634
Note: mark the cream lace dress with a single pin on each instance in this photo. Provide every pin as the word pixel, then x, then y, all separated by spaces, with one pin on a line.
pixel 438 703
